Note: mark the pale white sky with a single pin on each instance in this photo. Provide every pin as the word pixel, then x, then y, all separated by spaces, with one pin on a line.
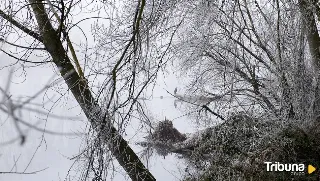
pixel 56 150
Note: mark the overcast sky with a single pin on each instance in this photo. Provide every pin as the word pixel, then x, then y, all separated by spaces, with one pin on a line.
pixel 54 151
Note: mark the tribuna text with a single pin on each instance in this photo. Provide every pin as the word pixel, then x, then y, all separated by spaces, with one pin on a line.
pixel 276 166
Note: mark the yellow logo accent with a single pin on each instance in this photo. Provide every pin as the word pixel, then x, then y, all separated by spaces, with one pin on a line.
pixel 311 169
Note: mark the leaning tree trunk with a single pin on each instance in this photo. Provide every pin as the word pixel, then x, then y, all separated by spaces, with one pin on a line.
pixel 79 88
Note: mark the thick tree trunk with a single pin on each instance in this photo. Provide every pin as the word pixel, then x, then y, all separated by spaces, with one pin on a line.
pixel 79 88
pixel 314 48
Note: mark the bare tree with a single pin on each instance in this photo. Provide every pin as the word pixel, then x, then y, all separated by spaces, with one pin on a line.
pixel 248 57
pixel 254 56
pixel 47 25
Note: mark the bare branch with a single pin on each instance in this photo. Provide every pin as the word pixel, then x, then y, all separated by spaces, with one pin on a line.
pixel 21 27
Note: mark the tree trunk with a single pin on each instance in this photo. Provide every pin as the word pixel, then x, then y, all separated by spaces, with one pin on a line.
pixel 79 88
pixel 314 48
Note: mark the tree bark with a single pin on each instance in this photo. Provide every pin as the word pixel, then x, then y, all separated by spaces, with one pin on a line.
pixel 80 90
pixel 314 48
